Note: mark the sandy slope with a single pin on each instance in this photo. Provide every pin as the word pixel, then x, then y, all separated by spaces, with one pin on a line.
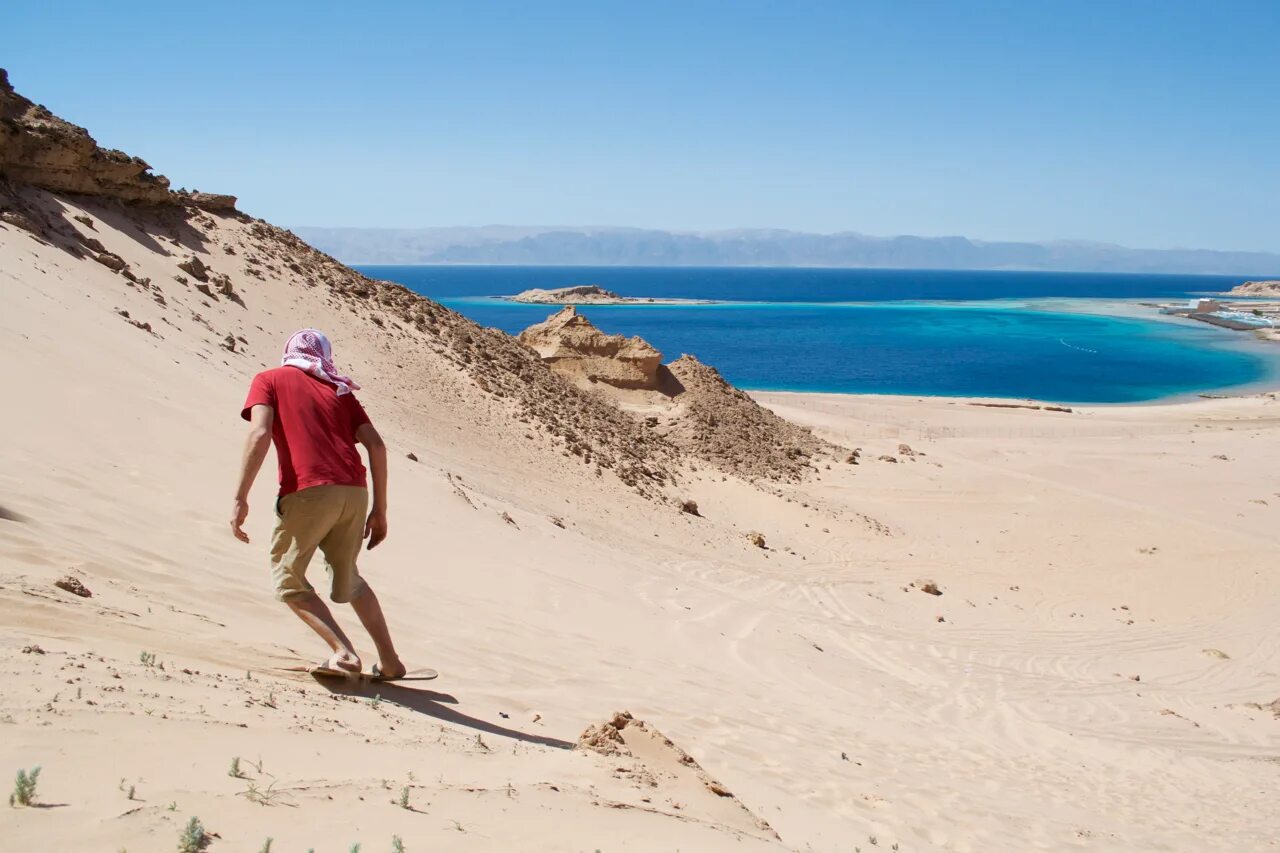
pixel 1074 552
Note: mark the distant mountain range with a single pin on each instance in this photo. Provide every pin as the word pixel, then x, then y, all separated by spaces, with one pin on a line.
pixel 609 246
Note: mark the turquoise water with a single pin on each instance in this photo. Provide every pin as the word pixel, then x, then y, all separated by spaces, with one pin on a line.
pixel 775 335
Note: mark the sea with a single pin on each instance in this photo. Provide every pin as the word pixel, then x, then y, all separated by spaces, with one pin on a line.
pixel 1059 337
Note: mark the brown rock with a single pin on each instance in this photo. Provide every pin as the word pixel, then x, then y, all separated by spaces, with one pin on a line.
pixel 691 507
pixel 21 220
pixel 207 201
pixel 606 738
pixel 110 261
pixel 756 539
pixel 887 458
pixel 411 457
pixel 928 586
pixel 222 284
pixel 195 267
pixel 73 585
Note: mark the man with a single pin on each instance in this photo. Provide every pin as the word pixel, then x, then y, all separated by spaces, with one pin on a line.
pixel 309 411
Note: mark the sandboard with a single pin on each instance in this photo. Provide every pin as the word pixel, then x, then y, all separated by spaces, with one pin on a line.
pixel 423 674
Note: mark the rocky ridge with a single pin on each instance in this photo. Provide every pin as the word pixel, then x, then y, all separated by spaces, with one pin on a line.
pixel 724 426
pixel 39 149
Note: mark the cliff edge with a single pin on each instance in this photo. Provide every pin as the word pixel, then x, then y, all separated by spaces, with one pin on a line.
pixel 39 149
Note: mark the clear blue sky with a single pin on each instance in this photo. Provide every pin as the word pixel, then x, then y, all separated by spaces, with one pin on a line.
pixel 1153 124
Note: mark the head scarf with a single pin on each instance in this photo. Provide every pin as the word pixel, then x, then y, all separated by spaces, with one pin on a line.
pixel 311 351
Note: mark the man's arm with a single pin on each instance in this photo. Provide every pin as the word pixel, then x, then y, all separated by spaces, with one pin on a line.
pixel 255 450
pixel 375 529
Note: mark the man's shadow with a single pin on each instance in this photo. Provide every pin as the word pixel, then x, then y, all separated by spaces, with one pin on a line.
pixel 433 704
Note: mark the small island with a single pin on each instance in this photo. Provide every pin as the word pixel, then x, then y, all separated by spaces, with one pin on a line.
pixel 1256 288
pixel 593 294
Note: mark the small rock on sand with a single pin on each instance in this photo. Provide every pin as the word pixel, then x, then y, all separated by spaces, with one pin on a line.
pixel 73 585
pixel 412 457
pixel 756 539
pixel 196 268
pixel 110 261
pixel 887 458
pixel 690 507
pixel 928 586
pixel 1216 653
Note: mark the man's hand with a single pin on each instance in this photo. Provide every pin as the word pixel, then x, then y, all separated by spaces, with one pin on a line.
pixel 375 529
pixel 255 450
pixel 241 511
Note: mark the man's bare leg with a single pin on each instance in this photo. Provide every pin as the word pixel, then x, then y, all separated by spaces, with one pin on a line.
pixel 369 610
pixel 315 613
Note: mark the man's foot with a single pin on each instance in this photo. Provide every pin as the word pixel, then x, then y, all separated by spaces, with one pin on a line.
pixel 390 670
pixel 344 661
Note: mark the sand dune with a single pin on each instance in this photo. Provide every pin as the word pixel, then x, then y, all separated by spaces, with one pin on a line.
pixel 1094 675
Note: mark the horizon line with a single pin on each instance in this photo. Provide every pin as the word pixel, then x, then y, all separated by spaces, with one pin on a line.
pixel 1065 241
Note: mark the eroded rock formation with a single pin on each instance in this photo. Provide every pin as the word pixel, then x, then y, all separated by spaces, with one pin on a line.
pixel 573 347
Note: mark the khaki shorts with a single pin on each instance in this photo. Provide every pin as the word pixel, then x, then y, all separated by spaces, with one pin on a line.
pixel 330 518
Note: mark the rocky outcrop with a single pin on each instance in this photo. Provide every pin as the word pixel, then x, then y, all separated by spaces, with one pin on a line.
pixel 1270 287
pixel 206 201
pixel 583 294
pixel 692 404
pixel 573 347
pixel 42 150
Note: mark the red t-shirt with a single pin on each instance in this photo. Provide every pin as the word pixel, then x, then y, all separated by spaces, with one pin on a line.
pixel 314 429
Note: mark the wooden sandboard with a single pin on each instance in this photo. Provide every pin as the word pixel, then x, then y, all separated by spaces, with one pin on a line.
pixel 423 674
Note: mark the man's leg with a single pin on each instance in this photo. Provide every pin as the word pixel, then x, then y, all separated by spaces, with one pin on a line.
pixel 366 605
pixel 341 547
pixel 315 613
pixel 305 518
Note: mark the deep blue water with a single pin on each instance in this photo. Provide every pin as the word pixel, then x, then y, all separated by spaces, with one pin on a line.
pixel 865 331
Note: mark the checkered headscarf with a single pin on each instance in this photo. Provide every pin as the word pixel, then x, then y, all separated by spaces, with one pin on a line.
pixel 311 351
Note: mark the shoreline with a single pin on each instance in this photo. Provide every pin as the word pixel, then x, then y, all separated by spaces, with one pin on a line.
pixel 1181 401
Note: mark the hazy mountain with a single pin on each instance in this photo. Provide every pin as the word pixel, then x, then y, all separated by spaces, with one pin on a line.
pixel 607 246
